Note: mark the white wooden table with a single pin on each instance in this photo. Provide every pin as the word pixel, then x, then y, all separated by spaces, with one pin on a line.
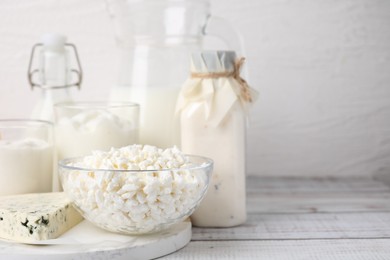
pixel 303 218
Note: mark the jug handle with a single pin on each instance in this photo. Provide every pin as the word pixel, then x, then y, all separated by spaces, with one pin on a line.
pixel 222 29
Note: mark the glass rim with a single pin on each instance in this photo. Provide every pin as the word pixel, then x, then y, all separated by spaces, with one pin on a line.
pixel 199 2
pixel 95 104
pixel 26 120
pixel 206 164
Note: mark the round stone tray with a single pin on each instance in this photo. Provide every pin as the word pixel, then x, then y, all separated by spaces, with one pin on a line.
pixel 86 241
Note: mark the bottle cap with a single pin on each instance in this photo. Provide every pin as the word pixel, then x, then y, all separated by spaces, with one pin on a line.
pixel 54 41
pixel 212 61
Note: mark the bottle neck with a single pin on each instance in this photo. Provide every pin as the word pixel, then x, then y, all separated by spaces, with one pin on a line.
pixel 55 92
pixel 54 68
pixel 48 98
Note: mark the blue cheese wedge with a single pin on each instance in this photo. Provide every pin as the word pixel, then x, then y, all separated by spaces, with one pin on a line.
pixel 32 217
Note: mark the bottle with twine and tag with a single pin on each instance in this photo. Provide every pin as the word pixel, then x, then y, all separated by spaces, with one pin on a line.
pixel 213 107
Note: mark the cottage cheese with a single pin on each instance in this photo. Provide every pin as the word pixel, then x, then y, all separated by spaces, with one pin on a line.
pixel 135 202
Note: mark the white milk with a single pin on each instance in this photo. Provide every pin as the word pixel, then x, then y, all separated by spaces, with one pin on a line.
pixel 92 130
pixel 158 126
pixel 224 203
pixel 26 166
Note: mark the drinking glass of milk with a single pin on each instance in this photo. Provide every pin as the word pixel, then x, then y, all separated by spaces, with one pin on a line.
pixel 26 156
pixel 81 127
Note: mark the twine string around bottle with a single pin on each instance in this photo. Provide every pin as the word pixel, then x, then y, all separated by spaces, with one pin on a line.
pixel 244 87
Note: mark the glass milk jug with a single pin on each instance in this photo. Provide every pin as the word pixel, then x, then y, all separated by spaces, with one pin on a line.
pixel 155 39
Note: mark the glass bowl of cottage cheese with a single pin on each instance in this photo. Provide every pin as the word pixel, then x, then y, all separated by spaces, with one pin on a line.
pixel 137 189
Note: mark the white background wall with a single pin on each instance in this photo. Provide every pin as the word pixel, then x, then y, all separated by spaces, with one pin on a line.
pixel 322 68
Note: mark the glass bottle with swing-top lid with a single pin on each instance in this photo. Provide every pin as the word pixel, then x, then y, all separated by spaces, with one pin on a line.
pixel 51 70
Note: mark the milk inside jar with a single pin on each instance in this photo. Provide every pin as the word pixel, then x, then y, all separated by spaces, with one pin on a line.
pixel 155 86
pixel 225 202
pixel 157 108
pixel 26 156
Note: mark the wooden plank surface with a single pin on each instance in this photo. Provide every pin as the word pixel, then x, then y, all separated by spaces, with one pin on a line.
pixel 356 249
pixel 312 195
pixel 303 218
pixel 327 185
pixel 303 226
pixel 319 203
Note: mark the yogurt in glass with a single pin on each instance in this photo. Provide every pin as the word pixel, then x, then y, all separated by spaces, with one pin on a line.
pixel 26 156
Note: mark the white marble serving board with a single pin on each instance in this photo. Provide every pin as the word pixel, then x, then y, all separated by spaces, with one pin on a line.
pixel 86 241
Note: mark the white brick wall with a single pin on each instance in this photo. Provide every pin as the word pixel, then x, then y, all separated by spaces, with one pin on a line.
pixel 322 68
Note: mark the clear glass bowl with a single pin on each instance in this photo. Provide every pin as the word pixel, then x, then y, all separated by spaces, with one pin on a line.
pixel 136 201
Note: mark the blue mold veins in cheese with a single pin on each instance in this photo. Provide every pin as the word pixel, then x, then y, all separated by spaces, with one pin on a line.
pixel 32 217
